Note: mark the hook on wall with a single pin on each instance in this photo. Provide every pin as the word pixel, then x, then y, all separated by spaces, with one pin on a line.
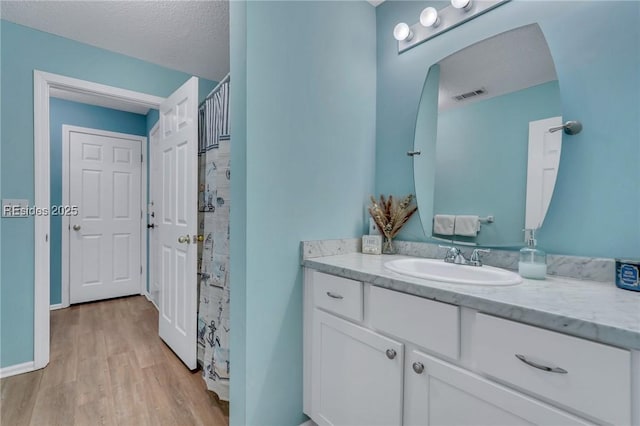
pixel 570 128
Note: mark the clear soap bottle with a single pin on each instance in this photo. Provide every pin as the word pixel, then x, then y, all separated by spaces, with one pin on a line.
pixel 533 261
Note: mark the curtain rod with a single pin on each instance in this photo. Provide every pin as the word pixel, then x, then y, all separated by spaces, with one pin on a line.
pixel 215 89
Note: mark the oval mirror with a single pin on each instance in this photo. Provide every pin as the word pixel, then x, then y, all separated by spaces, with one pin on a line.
pixel 478 115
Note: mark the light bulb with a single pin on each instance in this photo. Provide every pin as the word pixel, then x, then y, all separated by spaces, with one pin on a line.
pixel 461 4
pixel 402 32
pixel 429 17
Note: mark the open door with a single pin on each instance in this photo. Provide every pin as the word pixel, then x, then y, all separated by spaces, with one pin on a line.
pixel 543 161
pixel 175 209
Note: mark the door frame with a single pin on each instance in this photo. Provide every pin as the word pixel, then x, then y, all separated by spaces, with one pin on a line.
pixel 151 264
pixel 43 82
pixel 66 268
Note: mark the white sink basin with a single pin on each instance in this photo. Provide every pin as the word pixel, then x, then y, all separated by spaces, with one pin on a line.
pixel 439 270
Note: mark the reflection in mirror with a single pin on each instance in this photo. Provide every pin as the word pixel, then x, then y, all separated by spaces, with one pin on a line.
pixel 473 132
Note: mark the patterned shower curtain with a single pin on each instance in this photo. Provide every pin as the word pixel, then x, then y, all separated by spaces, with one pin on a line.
pixel 213 260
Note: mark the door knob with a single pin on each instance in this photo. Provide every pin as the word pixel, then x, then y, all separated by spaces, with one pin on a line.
pixel 185 239
pixel 76 227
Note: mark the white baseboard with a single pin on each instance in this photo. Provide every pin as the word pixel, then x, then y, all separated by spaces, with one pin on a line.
pixel 13 370
pixel 56 306
pixel 148 296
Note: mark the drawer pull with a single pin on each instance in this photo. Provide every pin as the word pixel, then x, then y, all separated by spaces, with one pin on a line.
pixel 418 367
pixel 391 354
pixel 334 295
pixel 540 366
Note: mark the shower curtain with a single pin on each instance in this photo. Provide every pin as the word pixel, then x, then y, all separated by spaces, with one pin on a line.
pixel 213 255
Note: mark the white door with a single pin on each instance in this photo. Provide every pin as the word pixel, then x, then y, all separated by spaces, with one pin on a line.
pixel 104 241
pixel 176 214
pixel 543 161
pixel 438 393
pixel 356 375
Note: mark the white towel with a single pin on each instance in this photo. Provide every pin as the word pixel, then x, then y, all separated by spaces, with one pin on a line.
pixel 467 226
pixel 443 224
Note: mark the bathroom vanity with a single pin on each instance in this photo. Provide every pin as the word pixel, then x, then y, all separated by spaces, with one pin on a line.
pixel 381 348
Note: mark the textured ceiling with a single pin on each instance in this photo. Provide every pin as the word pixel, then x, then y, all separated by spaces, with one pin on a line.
pixel 505 63
pixel 188 36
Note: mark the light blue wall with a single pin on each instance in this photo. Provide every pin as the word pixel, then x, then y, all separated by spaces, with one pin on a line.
pixel 306 93
pixel 481 159
pixel 596 205
pixel 21 51
pixel 76 114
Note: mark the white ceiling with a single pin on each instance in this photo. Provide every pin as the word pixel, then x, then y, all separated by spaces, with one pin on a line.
pixel 188 36
pixel 505 63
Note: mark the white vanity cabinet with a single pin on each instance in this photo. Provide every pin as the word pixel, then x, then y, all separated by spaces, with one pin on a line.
pixel 374 356
pixel 439 393
pixel 346 351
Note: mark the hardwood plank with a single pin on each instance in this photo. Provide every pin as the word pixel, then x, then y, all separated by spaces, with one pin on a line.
pixel 62 367
pixel 93 380
pixel 18 398
pixel 109 367
pixel 131 404
pixel 99 412
pixel 91 344
pixel 55 405
pixel 123 369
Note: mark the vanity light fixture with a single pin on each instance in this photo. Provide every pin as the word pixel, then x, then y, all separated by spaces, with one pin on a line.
pixel 434 22
pixel 461 4
pixel 402 32
pixel 429 17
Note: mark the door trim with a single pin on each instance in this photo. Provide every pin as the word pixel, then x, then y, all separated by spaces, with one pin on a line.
pixel 66 130
pixel 151 264
pixel 43 82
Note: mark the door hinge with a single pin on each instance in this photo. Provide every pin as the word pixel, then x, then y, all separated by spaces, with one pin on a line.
pixel 140 269
pixel 141 158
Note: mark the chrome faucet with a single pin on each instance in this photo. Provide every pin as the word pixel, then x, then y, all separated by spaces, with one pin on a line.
pixel 454 255
pixel 475 260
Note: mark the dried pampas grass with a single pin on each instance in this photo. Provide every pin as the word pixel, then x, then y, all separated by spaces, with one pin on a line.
pixel 391 215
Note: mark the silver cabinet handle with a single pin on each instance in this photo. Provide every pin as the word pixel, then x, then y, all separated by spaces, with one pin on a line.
pixel 76 227
pixel 540 366
pixel 418 367
pixel 391 354
pixel 335 295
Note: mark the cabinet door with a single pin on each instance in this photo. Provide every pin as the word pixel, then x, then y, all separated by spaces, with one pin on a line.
pixel 439 393
pixel 356 374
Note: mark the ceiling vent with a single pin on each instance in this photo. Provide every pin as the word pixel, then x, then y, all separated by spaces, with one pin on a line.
pixel 470 94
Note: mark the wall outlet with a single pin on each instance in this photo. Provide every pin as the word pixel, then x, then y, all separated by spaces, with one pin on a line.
pixel 15 208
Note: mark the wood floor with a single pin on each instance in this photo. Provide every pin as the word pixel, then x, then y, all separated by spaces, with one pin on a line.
pixel 109 367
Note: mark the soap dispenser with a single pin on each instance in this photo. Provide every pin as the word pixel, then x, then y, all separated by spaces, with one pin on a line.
pixel 533 261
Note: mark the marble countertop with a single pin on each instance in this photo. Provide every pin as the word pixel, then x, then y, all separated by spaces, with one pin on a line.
pixel 592 310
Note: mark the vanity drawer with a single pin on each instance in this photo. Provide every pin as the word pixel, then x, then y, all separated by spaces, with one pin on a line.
pixel 590 377
pixel 433 325
pixel 339 295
